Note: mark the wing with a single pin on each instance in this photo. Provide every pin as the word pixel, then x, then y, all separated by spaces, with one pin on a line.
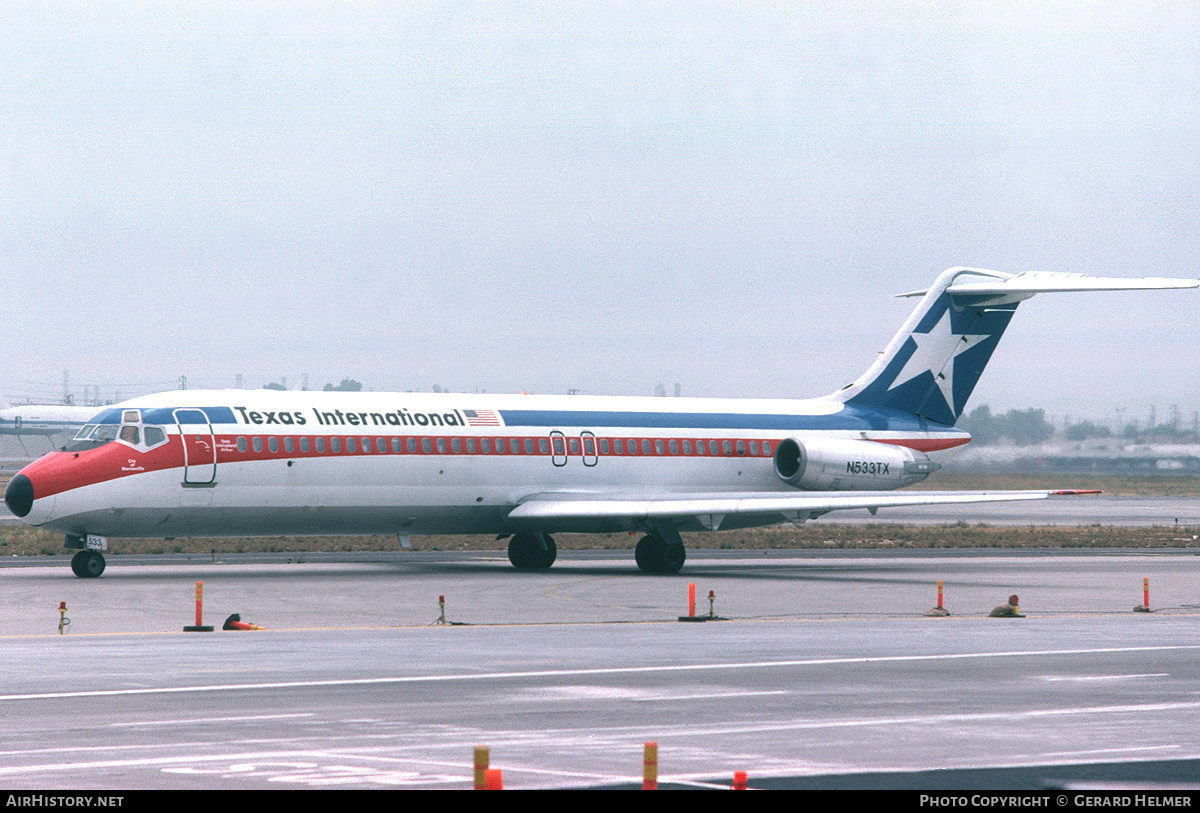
pixel 723 511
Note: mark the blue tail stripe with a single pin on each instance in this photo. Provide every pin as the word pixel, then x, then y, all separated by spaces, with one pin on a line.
pixel 935 370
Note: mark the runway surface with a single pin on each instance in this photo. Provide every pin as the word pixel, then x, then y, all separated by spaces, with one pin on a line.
pixel 827 673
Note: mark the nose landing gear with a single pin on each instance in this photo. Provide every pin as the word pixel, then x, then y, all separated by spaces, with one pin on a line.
pixel 88 564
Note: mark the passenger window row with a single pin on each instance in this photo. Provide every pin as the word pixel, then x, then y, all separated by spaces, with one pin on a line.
pixel 643 447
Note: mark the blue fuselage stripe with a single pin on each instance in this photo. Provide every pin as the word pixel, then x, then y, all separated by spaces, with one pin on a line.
pixel 848 419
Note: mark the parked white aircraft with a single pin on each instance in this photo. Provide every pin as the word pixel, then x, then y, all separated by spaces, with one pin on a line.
pixel 246 463
pixel 51 421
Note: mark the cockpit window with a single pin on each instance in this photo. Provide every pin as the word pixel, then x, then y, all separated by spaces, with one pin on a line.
pixel 106 429
pixel 103 433
pixel 145 437
pixel 93 435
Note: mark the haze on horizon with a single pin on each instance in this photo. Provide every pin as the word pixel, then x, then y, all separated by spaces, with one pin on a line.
pixel 597 196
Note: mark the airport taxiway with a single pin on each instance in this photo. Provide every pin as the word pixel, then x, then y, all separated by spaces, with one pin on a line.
pixel 826 668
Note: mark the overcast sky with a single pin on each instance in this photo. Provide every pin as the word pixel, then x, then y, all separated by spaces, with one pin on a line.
pixel 596 196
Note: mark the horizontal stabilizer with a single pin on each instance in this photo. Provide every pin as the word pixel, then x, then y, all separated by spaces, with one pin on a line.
pixel 1038 282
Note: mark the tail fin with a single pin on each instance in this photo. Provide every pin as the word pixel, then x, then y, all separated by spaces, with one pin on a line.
pixel 931 366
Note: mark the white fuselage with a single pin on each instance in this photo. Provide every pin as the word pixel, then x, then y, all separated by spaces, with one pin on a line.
pixel 235 463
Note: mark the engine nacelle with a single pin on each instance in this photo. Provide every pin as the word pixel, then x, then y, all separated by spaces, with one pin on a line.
pixel 834 464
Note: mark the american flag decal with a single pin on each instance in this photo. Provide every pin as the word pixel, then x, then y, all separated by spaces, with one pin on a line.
pixel 481 417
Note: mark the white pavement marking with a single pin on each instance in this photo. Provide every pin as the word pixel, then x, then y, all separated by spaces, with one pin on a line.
pixel 620 670
pixel 194 720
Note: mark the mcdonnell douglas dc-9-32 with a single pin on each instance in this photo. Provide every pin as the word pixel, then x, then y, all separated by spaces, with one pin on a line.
pixel 523 467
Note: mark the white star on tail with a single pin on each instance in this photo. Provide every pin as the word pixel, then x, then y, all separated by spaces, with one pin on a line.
pixel 935 353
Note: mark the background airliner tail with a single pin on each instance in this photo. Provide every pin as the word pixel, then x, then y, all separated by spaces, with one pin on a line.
pixel 932 364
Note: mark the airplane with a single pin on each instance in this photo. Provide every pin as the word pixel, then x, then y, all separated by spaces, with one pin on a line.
pixel 50 421
pixel 196 463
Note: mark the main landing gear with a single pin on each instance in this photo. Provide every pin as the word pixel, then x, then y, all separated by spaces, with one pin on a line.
pixel 660 552
pixel 532 551
pixel 88 564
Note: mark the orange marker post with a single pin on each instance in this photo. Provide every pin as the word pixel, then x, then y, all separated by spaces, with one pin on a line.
pixel 739 780
pixel 939 604
pixel 691 598
pixel 199 627
pixel 1144 607
pixel 650 766
pixel 481 767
